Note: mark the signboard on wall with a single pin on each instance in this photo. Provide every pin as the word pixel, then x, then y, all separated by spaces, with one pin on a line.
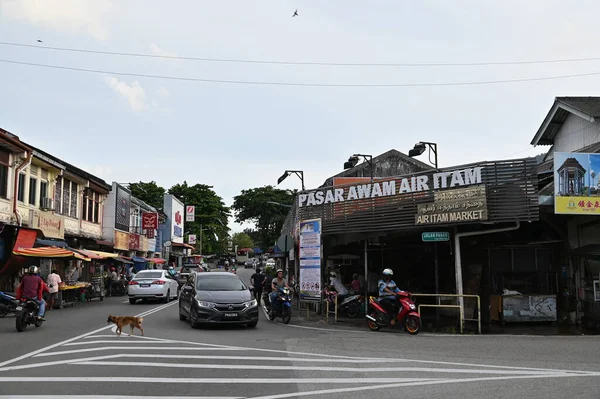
pixel 149 220
pixel 190 213
pixel 134 242
pixel 310 258
pixel 52 226
pixel 121 240
pixel 451 206
pixel 192 239
pixel 122 208
pixel 576 183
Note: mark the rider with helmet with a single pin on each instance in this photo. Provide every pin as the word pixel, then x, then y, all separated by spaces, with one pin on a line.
pixel 277 283
pixel 32 287
pixel 172 271
pixel 387 293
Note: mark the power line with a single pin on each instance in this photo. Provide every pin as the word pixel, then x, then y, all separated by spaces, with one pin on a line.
pixel 267 83
pixel 316 63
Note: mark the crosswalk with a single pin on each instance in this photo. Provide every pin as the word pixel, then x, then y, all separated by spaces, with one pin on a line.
pixel 102 364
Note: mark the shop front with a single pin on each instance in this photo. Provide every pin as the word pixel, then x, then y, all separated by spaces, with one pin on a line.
pixel 435 229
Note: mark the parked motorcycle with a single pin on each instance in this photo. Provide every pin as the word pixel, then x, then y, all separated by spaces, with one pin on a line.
pixel 8 304
pixel 26 314
pixel 283 307
pixel 407 316
pixel 350 306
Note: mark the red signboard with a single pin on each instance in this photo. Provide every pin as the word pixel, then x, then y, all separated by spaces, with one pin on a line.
pixel 134 242
pixel 149 220
pixel 177 218
pixel 25 239
pixel 150 233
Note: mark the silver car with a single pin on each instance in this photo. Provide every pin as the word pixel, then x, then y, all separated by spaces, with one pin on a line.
pixel 152 284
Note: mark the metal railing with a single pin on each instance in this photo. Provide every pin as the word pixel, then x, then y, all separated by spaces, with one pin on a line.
pixel 461 309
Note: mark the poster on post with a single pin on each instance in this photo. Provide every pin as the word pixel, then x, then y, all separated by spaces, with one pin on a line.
pixel 310 259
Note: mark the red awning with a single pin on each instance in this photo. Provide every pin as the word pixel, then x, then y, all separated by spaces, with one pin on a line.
pixel 183 245
pixel 88 254
pixel 49 252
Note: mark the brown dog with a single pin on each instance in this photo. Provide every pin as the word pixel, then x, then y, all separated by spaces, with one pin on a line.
pixel 121 321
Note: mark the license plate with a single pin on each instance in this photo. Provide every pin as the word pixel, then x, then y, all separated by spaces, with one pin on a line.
pixel 144 285
pixel 19 308
pixel 230 315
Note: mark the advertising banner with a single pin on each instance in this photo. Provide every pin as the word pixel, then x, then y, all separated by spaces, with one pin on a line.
pixel 121 240
pixel 149 220
pixel 190 213
pixel 310 258
pixel 134 242
pixel 52 226
pixel 192 239
pixel 576 183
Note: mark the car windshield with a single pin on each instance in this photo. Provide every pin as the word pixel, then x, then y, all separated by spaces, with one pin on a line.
pixel 220 283
pixel 143 275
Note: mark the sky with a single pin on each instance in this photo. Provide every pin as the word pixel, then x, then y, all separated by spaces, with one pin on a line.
pixel 239 136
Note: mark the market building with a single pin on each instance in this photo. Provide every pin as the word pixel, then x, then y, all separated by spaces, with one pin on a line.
pixel 570 199
pixel 486 214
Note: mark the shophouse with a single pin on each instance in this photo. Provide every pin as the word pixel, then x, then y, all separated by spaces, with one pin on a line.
pixel 570 199
pixel 483 218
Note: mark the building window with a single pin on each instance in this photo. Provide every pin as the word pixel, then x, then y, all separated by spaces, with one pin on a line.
pixel 3 180
pixel 43 191
pixel 32 190
pixel 21 188
pixel 66 197
pixel 91 207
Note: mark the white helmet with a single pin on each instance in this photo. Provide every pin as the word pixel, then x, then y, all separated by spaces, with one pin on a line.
pixel 388 272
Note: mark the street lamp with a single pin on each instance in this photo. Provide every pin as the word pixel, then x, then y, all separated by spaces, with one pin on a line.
pixel 420 148
pixel 280 204
pixel 353 160
pixel 285 175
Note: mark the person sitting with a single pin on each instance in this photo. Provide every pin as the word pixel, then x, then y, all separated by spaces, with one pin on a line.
pixel 387 294
pixel 32 287
pixel 341 290
pixel 355 283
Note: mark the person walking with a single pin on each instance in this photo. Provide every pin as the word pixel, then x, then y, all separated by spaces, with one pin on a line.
pixel 257 280
pixel 53 281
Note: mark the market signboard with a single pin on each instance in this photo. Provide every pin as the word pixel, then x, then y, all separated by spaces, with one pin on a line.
pixel 576 183
pixel 310 258
pixel 452 206
pixel 52 226
pixel 121 240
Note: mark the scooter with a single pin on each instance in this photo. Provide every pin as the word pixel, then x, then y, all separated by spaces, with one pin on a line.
pixel 283 307
pixel 26 314
pixel 407 316
pixel 350 306
pixel 8 304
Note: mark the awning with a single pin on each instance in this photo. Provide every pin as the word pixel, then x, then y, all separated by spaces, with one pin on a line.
pixel 88 254
pixel 50 243
pixel 49 252
pixel 137 259
pixel 102 254
pixel 122 260
pixel 158 261
pixel 183 245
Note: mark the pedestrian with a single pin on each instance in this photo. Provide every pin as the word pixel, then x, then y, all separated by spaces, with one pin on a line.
pixel 53 281
pixel 257 280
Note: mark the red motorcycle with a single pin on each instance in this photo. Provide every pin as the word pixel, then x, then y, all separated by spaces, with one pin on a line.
pixel 407 316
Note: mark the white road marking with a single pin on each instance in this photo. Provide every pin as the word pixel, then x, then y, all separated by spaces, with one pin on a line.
pixel 112 348
pixel 326 329
pixel 305 368
pixel 128 342
pixel 35 352
pixel 114 397
pixel 268 381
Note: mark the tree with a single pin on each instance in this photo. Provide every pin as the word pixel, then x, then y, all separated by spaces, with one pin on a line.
pixel 151 193
pixel 242 240
pixel 211 216
pixel 256 205
pixel 254 235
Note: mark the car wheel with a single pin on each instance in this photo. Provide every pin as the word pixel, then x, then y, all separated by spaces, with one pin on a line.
pixel 167 299
pixel 252 325
pixel 193 319
pixel 132 301
pixel 181 316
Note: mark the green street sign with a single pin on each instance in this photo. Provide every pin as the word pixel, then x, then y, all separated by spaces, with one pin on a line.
pixel 433 236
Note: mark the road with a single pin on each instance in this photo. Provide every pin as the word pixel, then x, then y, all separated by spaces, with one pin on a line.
pixel 76 354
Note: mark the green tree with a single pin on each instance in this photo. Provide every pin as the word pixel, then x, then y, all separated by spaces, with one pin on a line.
pixel 151 193
pixel 256 205
pixel 242 240
pixel 254 235
pixel 211 216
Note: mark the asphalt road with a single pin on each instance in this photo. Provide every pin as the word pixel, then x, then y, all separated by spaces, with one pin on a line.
pixel 76 354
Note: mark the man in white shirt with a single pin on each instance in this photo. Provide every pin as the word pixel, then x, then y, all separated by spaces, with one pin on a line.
pixel 53 281
pixel 342 291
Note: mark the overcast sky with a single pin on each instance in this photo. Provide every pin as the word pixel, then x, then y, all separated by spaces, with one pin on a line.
pixel 236 136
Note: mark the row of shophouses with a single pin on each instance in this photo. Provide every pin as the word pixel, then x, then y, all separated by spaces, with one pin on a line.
pixel 528 227
pixel 47 202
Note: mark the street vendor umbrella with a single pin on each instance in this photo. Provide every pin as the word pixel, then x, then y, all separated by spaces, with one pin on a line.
pixel 49 252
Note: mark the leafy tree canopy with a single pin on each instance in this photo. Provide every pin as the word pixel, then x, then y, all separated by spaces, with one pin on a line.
pixel 256 205
pixel 242 240
pixel 151 193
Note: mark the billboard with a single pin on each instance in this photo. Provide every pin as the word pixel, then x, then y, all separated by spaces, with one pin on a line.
pixel 310 258
pixel 576 183
pixel 175 218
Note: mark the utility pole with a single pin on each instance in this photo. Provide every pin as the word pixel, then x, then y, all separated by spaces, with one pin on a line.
pixel 200 239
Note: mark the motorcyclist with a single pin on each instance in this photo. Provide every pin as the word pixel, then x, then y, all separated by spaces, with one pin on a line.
pixel 32 287
pixel 387 294
pixel 342 291
pixel 277 283
pixel 172 271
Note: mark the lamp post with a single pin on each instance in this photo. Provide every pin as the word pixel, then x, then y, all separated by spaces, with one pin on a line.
pixel 353 160
pixel 420 148
pixel 298 173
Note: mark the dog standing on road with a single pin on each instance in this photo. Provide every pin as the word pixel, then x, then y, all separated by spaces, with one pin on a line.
pixel 121 321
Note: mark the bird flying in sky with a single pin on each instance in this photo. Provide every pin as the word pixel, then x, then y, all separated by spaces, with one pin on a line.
pixel 295 14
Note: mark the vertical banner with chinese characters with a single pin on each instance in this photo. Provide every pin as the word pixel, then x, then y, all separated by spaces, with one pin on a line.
pixel 576 183
pixel 310 258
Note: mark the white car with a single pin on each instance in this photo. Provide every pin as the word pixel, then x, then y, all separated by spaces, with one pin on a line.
pixel 152 284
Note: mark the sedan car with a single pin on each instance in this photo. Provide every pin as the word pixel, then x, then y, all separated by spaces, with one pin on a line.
pixel 217 297
pixel 152 284
pixel 186 270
